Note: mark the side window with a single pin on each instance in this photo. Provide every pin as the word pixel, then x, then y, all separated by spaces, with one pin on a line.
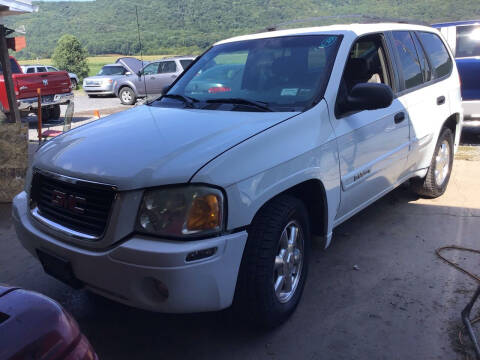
pixel 167 67
pixel 426 69
pixel 468 41
pixel 51 69
pixel 407 55
pixel 30 70
pixel 185 63
pixel 367 62
pixel 150 69
pixel 437 52
pixel 41 69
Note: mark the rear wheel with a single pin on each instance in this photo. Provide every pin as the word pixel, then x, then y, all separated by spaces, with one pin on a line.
pixel 438 175
pixel 127 96
pixel 46 114
pixel 55 112
pixel 74 84
pixel 275 263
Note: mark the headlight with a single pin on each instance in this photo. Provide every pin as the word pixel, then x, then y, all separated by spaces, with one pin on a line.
pixel 181 211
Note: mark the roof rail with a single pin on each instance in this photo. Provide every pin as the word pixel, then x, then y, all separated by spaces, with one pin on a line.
pixel 366 19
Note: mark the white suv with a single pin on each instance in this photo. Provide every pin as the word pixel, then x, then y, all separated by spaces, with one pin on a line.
pixel 209 195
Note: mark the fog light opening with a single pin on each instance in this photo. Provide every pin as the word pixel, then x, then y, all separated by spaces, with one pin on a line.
pixel 201 254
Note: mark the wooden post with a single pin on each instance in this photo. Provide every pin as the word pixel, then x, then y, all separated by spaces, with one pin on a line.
pixel 39 114
pixel 7 76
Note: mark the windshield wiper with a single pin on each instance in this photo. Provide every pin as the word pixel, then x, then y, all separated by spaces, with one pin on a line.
pixel 186 99
pixel 257 104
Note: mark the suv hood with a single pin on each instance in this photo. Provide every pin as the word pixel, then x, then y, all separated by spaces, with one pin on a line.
pixel 150 146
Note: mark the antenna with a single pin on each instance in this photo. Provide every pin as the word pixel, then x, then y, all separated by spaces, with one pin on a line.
pixel 141 54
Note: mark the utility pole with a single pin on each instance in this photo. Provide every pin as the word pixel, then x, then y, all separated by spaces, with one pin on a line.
pixel 7 76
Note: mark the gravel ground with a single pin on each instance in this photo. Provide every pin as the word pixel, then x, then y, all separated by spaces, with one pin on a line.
pixel 378 292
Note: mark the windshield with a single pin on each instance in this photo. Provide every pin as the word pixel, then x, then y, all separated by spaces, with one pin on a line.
pixel 112 70
pixel 468 41
pixel 281 74
pixel 14 66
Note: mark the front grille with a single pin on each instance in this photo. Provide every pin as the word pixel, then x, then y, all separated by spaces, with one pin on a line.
pixel 80 206
pixel 93 83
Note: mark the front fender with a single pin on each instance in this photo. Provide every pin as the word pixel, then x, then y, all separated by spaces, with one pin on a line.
pixel 299 149
pixel 123 83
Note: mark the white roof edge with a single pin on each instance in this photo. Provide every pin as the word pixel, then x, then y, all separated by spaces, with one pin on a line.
pixel 18 6
pixel 354 29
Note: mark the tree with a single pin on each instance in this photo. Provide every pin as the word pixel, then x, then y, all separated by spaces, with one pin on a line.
pixel 69 55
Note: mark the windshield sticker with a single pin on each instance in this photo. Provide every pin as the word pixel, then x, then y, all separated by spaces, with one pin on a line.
pixel 289 92
pixel 329 41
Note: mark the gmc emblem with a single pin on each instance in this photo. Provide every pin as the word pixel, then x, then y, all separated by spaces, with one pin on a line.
pixel 73 203
pixel 45 82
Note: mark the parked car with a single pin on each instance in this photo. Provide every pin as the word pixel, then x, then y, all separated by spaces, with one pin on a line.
pixel 28 69
pixel 464 40
pixel 151 79
pixel 55 87
pixel 33 326
pixel 102 83
pixel 197 201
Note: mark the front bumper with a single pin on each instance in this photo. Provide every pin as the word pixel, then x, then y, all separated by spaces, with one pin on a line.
pixel 57 99
pixel 143 272
pixel 99 89
pixel 471 110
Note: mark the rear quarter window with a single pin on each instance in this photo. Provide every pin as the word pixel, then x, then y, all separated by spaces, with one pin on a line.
pixel 437 52
pixel 407 55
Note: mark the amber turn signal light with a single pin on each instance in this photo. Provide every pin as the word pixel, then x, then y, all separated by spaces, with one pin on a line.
pixel 204 214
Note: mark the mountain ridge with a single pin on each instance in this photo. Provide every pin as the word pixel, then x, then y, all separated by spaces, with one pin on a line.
pixel 189 26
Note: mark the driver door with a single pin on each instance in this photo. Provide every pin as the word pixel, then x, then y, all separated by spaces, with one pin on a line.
pixel 373 144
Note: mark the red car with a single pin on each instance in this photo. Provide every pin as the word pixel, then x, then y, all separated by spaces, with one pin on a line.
pixel 33 326
pixel 55 86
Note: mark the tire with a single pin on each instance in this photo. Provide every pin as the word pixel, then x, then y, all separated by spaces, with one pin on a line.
pixel 127 96
pixel 256 299
pixel 435 182
pixel 91 95
pixel 55 112
pixel 74 84
pixel 46 113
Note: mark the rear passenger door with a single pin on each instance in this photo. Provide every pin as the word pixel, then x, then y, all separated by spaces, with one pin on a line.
pixel 423 64
pixel 168 72
pixel 373 145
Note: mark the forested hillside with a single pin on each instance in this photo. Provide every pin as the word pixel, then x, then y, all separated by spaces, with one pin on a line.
pixel 188 26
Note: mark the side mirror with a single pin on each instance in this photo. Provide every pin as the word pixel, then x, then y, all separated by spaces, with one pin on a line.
pixel 139 73
pixel 369 96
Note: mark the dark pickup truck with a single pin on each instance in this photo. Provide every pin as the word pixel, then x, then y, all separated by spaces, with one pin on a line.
pixel 464 39
pixel 55 86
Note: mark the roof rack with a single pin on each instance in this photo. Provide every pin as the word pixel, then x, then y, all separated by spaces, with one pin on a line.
pixel 365 19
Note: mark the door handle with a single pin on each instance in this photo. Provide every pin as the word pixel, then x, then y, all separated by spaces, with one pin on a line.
pixel 441 100
pixel 399 117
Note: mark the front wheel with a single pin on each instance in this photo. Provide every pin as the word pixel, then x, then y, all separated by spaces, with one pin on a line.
pixel 275 263
pixel 74 84
pixel 435 182
pixel 127 96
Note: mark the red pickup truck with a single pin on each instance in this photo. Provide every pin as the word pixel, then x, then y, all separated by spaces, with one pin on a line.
pixel 56 90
